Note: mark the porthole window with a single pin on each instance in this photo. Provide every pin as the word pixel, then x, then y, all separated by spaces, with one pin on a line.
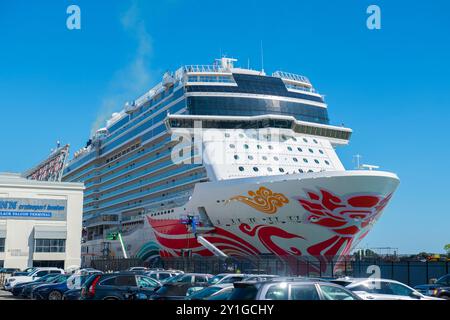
pixel 264 157
pixel 250 157
pixel 270 148
pixel 299 149
pixel 305 140
pixel 227 135
pixel 241 169
pixel 311 150
pixel 327 162
pixel 255 169
pixel 294 138
pixel 236 157
pixel 289 148
pixel 269 169
pixel 300 170
pixel 281 169
pixel 232 146
pixel 310 171
pixel 316 161
pixel 321 151
pixel 315 141
pixel 305 160
pixel 259 146
pixel 295 159
pixel 275 158
pixel 245 146
pixel 241 135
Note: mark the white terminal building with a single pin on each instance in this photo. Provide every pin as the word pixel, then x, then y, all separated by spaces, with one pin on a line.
pixel 40 223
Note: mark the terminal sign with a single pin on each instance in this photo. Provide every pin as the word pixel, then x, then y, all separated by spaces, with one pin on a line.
pixel 34 209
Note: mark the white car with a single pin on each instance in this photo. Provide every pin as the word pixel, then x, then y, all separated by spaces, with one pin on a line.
pixel 33 275
pixel 381 289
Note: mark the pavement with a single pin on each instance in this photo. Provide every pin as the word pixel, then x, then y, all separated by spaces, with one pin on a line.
pixel 5 295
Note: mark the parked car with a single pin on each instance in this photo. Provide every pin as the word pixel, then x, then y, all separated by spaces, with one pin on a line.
pixel 117 286
pixel 73 294
pixel 290 289
pixel 192 278
pixel 381 289
pixel 56 290
pixel 161 275
pixel 174 291
pixel 211 291
pixel 227 278
pixel 440 289
pixel 143 269
pixel 17 289
pixel 262 277
pixel 176 288
pixel 33 275
pixel 28 290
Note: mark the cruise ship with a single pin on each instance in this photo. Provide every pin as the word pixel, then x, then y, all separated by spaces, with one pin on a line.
pixel 227 161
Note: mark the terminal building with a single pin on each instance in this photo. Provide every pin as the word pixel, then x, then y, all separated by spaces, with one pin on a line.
pixel 40 223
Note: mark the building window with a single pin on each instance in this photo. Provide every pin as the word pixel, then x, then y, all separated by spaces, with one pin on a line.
pixel 2 244
pixel 50 245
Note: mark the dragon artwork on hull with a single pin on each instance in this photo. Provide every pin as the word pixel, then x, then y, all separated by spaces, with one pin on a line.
pixel 347 219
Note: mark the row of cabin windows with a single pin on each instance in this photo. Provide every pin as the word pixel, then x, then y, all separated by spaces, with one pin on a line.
pixel 269 169
pixel 250 157
pixel 122 153
pixel 161 213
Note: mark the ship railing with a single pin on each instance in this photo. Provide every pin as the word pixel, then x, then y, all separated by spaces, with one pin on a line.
pixel 291 76
pixel 204 68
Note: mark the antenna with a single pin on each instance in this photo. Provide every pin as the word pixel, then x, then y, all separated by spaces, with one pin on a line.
pixel 357 159
pixel 262 57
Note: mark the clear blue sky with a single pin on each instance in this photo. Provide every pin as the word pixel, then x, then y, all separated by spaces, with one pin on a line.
pixel 392 86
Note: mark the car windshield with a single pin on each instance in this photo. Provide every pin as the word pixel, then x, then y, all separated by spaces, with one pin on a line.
pixel 204 293
pixel 216 279
pixel 445 280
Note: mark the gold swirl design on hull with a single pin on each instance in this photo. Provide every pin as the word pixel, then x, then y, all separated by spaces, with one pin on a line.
pixel 264 200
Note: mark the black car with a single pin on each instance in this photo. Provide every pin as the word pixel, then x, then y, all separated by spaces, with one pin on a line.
pixel 439 289
pixel 118 286
pixel 28 289
pixel 17 289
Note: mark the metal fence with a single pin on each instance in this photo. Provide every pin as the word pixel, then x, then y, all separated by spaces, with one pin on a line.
pixel 408 272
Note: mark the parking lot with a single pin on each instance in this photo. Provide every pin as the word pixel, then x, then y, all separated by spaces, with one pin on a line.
pixel 5 295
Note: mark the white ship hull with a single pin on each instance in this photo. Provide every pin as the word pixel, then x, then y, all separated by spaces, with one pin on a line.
pixel 320 215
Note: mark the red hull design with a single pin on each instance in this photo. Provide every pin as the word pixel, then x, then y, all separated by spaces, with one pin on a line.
pixel 344 216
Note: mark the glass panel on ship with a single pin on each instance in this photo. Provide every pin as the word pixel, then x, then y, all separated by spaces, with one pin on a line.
pixel 140 171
